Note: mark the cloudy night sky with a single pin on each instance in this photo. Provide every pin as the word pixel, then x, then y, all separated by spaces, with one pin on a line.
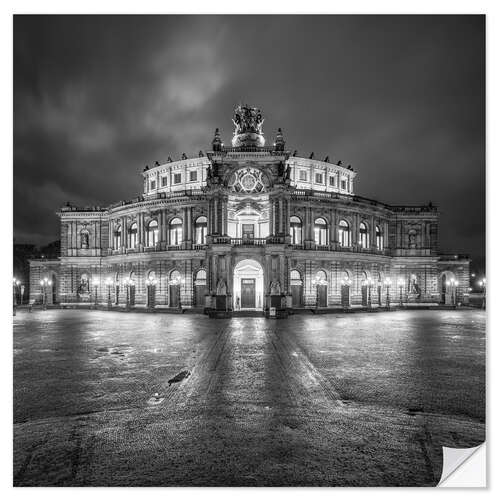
pixel 401 98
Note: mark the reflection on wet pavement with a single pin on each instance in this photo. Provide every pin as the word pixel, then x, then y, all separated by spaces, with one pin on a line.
pixel 359 399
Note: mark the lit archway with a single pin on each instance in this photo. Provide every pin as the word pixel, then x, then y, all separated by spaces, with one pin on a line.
pixel 447 284
pixel 248 285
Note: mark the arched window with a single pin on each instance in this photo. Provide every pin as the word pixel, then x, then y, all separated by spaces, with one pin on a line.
pixel 345 279
pixel 117 237
pixel 84 239
pixel 175 231
pixel 344 234
pixel 320 231
pixel 201 277
pixel 175 276
pixel 379 238
pixel 200 229
pixel 320 277
pixel 296 230
pixel 363 235
pixel 295 278
pixel 152 234
pixel 132 234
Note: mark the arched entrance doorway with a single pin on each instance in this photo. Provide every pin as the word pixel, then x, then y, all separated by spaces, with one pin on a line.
pixel 248 285
pixel 321 282
pixel 200 288
pixel 447 287
pixel 345 289
pixel 296 285
pixel 174 289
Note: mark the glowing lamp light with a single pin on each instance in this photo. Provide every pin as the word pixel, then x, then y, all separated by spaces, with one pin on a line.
pixel 109 281
pixel 346 281
pixel 401 282
pixel 387 281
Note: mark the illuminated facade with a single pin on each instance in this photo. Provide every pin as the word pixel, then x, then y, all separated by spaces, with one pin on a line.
pixel 249 227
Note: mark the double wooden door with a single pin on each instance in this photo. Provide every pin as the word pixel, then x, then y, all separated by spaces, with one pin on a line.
pixel 248 293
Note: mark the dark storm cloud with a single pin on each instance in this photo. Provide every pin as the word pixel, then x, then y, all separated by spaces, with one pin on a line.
pixel 399 98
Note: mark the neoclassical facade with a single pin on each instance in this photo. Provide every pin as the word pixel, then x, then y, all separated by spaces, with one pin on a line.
pixel 249 227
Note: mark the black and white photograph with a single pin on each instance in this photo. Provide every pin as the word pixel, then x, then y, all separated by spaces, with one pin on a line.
pixel 248 250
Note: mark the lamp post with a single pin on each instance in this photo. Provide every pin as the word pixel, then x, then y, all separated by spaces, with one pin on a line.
pixel 109 284
pixel 452 283
pixel 369 283
pixel 482 284
pixel 45 282
pixel 150 284
pixel 16 289
pixel 387 283
pixel 401 283
pixel 95 283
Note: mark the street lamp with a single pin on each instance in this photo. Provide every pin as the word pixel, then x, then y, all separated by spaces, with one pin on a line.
pixel 44 283
pixel 109 284
pixel 95 283
pixel 16 289
pixel 482 284
pixel 401 284
pixel 369 283
pixel 150 286
pixel 387 283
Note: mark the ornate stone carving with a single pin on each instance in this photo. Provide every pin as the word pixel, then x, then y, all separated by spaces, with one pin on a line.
pixel 248 180
pixel 248 127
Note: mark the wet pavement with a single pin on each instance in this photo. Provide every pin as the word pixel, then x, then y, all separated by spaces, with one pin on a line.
pixel 346 399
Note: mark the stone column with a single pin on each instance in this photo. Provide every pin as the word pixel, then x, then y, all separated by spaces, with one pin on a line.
pixel 111 230
pixel 123 223
pixel 223 221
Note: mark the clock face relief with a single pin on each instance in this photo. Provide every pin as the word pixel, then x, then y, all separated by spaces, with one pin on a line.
pixel 248 180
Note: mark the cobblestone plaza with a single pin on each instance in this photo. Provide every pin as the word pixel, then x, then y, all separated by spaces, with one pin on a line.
pixel 308 400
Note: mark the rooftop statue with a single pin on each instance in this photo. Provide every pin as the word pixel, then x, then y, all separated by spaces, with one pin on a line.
pixel 248 127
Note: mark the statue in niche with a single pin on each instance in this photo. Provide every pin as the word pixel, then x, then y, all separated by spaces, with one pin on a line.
pixel 221 287
pixel 83 287
pixel 412 238
pixel 84 239
pixel 275 288
pixel 414 286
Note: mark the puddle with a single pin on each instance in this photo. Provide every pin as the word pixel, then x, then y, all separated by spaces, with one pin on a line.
pixel 179 377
